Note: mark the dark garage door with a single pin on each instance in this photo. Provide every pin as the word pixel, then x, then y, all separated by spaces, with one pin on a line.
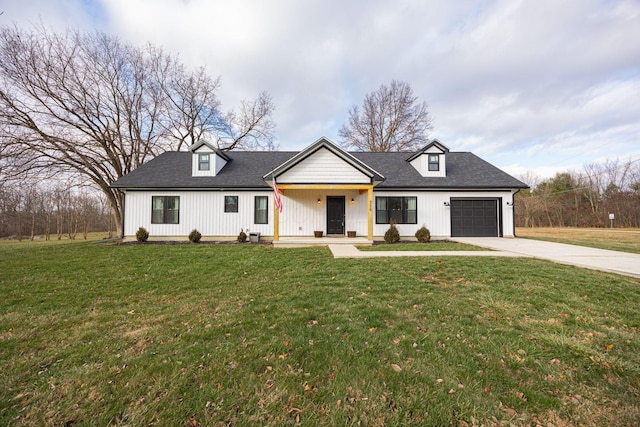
pixel 474 218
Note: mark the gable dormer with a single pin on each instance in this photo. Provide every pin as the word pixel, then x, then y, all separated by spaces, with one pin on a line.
pixel 431 160
pixel 206 160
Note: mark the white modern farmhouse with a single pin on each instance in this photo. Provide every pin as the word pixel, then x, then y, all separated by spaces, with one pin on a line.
pixel 321 188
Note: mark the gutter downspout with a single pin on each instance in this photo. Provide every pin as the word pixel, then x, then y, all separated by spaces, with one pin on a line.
pixel 124 197
pixel 513 212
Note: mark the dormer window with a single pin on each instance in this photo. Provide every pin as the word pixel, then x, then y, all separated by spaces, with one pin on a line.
pixel 204 162
pixel 207 160
pixel 434 162
pixel 431 160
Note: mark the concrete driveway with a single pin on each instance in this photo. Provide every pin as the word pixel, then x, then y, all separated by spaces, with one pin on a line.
pixel 596 259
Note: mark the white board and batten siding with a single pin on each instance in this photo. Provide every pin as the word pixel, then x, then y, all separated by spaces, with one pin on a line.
pixel 202 210
pixel 436 216
pixel 302 214
pixel 323 166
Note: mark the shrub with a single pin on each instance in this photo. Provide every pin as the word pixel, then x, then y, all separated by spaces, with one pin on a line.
pixel 242 237
pixel 142 234
pixel 195 236
pixel 392 235
pixel 423 234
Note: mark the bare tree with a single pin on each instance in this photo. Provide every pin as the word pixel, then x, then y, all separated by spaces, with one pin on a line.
pixel 390 119
pixel 92 106
pixel 249 128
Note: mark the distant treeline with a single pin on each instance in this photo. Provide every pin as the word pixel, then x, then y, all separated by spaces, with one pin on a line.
pixel 583 199
pixel 29 212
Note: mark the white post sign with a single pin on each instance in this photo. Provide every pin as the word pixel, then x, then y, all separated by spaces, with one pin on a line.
pixel 611 218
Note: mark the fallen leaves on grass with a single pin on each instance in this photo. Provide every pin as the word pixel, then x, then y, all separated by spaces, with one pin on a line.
pixel 295 413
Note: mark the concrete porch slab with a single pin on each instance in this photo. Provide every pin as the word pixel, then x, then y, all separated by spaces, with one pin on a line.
pixel 304 241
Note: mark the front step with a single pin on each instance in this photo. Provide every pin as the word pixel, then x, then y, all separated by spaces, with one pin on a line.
pixel 304 241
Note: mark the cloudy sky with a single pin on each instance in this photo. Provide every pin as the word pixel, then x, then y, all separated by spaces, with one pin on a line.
pixel 537 85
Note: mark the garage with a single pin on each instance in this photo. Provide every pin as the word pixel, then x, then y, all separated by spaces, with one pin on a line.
pixel 475 218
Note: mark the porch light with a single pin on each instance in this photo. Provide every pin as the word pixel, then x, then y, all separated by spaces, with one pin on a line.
pixel 446 203
pixel 319 201
pixel 353 200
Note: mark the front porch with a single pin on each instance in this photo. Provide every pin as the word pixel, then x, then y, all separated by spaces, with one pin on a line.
pixel 333 209
pixel 304 241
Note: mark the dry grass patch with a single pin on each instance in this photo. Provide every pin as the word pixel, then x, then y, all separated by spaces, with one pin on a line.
pixel 616 239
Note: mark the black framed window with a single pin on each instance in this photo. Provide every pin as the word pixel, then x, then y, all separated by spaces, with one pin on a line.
pixel 203 162
pixel 165 209
pixel 231 203
pixel 434 162
pixel 404 210
pixel 261 210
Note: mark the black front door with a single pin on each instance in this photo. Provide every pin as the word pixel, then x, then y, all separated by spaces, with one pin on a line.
pixel 335 215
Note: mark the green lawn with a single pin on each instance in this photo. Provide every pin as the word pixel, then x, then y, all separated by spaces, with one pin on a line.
pixel 226 334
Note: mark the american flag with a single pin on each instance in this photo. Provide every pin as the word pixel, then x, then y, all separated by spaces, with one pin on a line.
pixel 276 196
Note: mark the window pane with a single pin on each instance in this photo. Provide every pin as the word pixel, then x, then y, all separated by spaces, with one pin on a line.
pixel 173 203
pixel 157 217
pixel 261 212
pixel 231 203
pixel 411 214
pixel 157 210
pixel 165 209
pixel 411 203
pixel 434 162
pixel 203 162
pixel 171 217
pixel 395 209
pixel 261 202
pixel 158 203
pixel 396 216
pixel 382 216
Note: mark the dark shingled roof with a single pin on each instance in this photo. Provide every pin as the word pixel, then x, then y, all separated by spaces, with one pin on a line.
pixel 246 169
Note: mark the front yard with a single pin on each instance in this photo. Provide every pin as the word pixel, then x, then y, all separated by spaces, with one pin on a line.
pixel 240 335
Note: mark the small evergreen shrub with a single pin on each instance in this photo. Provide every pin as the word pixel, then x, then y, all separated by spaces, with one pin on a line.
pixel 195 236
pixel 392 235
pixel 242 237
pixel 142 234
pixel 423 234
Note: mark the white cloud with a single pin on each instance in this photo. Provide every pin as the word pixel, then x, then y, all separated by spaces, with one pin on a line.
pixel 539 85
